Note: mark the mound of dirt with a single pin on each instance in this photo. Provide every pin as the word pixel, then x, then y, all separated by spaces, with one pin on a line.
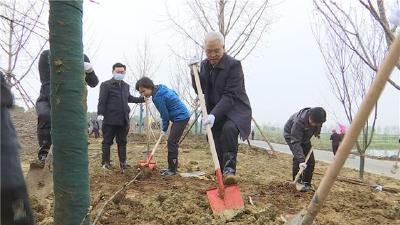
pixel 25 125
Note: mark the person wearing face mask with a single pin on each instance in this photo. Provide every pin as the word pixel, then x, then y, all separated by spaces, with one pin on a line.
pixel 113 110
pixel 298 131
pixel 229 109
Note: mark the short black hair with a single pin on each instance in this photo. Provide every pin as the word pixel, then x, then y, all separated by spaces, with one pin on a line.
pixel 144 82
pixel 317 115
pixel 118 65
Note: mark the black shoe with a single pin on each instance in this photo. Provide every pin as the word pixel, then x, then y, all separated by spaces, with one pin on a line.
pixel 303 186
pixel 38 163
pixel 229 176
pixel 163 171
pixel 124 165
pixel 106 166
pixel 168 173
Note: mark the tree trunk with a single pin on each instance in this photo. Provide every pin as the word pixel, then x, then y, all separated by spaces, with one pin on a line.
pixel 201 125
pixel 196 126
pixel 141 119
pixel 221 18
pixel 362 164
pixel 68 113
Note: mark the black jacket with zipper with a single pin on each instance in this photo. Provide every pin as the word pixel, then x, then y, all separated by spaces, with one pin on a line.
pixel 113 102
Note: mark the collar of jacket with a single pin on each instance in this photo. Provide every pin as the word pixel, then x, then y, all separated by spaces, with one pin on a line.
pixel 221 64
pixel 156 88
pixel 114 81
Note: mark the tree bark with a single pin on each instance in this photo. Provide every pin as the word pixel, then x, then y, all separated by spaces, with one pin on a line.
pixel 68 113
pixel 362 165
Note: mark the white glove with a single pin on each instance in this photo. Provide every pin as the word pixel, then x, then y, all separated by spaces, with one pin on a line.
pixel 88 67
pixel 163 133
pixel 209 120
pixel 303 165
pixel 193 61
pixel 100 117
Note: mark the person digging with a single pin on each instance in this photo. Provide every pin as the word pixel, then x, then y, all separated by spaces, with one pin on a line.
pixel 171 109
pixel 298 131
pixel 229 110
pixel 43 104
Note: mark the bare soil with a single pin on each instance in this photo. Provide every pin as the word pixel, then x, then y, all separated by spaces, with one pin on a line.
pixel 155 200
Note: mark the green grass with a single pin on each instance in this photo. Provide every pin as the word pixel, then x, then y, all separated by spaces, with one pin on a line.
pixel 379 142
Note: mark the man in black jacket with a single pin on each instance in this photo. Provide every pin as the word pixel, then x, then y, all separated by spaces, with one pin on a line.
pixel 298 131
pixel 15 206
pixel 114 110
pixel 43 103
pixel 336 139
pixel 228 106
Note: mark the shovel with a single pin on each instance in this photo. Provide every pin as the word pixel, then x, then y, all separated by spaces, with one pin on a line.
pixel 297 177
pixel 149 163
pixel 39 180
pixel 225 201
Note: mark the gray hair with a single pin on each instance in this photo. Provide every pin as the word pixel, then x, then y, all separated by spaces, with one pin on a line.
pixel 214 35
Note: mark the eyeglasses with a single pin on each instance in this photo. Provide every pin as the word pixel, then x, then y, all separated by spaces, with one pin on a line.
pixel 215 51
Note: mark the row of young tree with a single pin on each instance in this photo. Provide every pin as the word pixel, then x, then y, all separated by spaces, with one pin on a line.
pixel 353 37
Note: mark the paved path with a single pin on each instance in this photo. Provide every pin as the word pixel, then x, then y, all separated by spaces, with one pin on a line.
pixel 380 167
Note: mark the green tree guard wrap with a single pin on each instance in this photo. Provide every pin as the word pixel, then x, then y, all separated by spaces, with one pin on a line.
pixel 68 113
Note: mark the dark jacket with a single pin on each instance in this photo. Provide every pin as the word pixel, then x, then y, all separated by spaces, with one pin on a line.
pixel 7 98
pixel 170 107
pixel 113 102
pixel 44 72
pixel 13 189
pixel 336 139
pixel 298 132
pixel 225 92
pixel 95 124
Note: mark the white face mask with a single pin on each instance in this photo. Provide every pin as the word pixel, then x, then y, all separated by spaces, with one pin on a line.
pixel 118 76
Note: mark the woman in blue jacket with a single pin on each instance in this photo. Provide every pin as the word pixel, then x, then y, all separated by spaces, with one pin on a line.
pixel 171 108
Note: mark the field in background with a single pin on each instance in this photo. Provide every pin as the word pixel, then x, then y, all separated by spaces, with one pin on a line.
pixel 380 141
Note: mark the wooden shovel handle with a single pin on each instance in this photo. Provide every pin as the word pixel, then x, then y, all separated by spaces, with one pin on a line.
pixel 208 127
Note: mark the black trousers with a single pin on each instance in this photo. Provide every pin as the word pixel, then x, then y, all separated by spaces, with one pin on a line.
pixel 43 126
pixel 226 135
pixel 120 134
pixel 174 137
pixel 335 148
pixel 15 206
pixel 309 171
pixel 96 133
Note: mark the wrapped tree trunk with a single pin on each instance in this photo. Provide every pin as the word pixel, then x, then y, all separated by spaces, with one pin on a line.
pixel 68 113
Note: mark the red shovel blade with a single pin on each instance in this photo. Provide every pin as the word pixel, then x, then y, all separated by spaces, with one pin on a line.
pixel 151 165
pixel 228 205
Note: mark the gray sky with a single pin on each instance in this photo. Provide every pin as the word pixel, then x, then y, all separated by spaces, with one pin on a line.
pixel 283 75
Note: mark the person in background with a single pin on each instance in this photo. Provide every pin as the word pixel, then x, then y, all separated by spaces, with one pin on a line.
pixel 252 134
pixel 15 205
pixel 298 131
pixel 113 110
pixel 171 109
pixel 336 139
pixel 43 106
pixel 95 128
